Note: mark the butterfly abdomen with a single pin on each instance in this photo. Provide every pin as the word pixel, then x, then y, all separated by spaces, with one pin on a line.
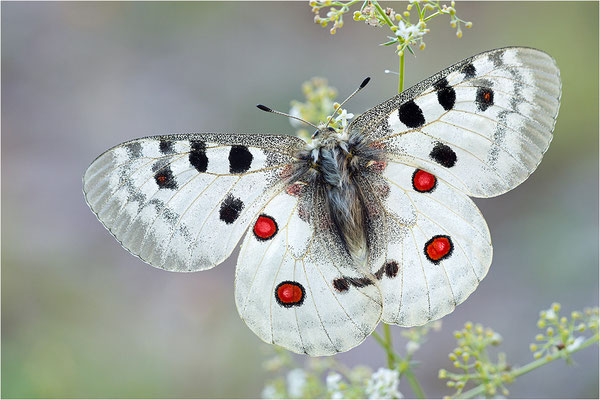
pixel 334 173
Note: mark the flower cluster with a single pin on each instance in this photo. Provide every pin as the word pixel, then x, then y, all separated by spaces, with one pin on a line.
pixel 326 378
pixel 317 108
pixel 406 34
pixel 384 384
pixel 562 335
pixel 471 356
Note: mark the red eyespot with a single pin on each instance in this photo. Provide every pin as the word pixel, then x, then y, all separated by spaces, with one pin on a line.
pixel 265 227
pixel 289 293
pixel 423 181
pixel 438 248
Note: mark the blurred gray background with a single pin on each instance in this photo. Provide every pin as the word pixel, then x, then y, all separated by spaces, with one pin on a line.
pixel 81 317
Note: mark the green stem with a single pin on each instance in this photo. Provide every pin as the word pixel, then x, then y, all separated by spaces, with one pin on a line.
pixel 386 343
pixel 476 391
pixel 401 73
pixel 432 16
pixel 414 384
pixel 378 339
pixel 391 357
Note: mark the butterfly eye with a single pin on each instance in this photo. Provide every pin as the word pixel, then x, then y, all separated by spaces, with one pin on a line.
pixel 331 129
pixel 314 135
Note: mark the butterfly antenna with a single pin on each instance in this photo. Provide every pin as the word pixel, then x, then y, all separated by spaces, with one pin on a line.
pixel 362 85
pixel 267 109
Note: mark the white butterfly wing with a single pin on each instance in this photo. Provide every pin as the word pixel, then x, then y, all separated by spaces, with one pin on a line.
pixel 295 284
pixel 182 202
pixel 430 246
pixel 482 124
pixel 478 128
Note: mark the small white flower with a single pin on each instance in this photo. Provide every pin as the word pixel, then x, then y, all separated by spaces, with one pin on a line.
pixel 408 32
pixel 412 346
pixel 575 345
pixel 333 385
pixel 384 384
pixel 269 392
pixel 296 379
pixel 344 117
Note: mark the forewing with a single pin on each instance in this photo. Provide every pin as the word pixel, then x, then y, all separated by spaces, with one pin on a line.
pixel 295 285
pixel 182 202
pixel 482 124
pixel 430 246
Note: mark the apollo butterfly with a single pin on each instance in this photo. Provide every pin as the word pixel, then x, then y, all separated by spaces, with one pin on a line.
pixel 374 223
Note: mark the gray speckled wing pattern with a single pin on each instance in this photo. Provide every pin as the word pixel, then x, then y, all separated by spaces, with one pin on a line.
pixel 182 202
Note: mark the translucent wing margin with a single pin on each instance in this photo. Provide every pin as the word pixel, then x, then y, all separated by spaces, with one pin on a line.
pixel 182 202
pixel 482 124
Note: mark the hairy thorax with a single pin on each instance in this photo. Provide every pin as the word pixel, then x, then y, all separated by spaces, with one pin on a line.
pixel 334 164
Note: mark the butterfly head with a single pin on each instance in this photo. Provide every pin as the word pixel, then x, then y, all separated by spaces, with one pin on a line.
pixel 323 132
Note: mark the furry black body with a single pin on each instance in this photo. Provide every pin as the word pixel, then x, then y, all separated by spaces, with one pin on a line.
pixel 336 166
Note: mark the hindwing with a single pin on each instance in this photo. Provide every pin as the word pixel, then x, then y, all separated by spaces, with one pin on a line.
pixel 429 245
pixel 296 286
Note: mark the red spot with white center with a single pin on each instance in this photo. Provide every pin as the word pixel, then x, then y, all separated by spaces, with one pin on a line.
pixel 423 182
pixel 265 227
pixel 438 248
pixel 289 293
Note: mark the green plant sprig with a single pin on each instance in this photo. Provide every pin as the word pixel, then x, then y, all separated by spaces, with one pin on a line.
pixel 406 34
pixel 563 337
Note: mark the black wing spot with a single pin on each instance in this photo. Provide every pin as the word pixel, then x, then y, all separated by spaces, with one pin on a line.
pixel 164 179
pixel 445 94
pixel 484 98
pixel 359 282
pixel 230 209
pixel 411 115
pixel 240 159
pixel 469 71
pixel 341 284
pixel 443 155
pixel 390 269
pixel 166 147
pixel 198 157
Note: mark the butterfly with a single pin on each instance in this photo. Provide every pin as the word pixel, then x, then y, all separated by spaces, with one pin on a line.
pixel 371 224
